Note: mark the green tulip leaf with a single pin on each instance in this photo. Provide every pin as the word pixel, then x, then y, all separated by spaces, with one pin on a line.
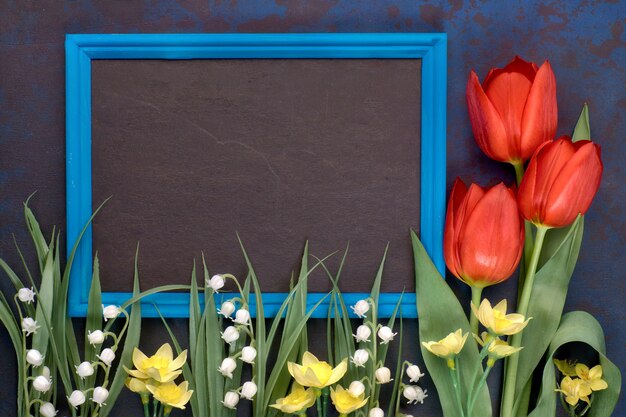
pixel 547 300
pixel 579 326
pixel 582 131
pixel 441 314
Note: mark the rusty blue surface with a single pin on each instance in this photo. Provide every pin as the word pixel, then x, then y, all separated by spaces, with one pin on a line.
pixel 584 40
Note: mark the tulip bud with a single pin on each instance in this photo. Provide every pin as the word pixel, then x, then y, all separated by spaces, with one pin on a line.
pixel 484 234
pixel 248 390
pixel 248 354
pixel 84 370
pixel 231 399
pixel 47 410
pixel 242 316
pixel 34 357
pixel 376 412
pixel 107 356
pixel 560 182
pixel 413 372
pixel 216 283
pixel 227 367
pixel 230 334
pixel 29 326
pixel 383 375
pixel 110 312
pixel 414 394
pixel 100 395
pixel 226 309
pixel 363 333
pixel 360 308
pixel 42 383
pixel 360 357
pixel 386 335
pixel 26 295
pixel 76 398
pixel 96 337
pixel 356 388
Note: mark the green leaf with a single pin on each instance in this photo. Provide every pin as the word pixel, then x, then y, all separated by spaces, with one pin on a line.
pixel 94 310
pixel 442 314
pixel 582 131
pixel 579 326
pixel 547 300
pixel 45 303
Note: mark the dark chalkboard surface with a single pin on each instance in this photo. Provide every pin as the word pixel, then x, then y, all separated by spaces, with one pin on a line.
pixel 278 150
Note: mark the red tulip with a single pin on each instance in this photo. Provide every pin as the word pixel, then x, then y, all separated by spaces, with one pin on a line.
pixel 514 111
pixel 560 182
pixel 484 234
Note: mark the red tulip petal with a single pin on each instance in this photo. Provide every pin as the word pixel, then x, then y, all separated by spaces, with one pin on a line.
pixel 508 91
pixel 459 190
pixel 575 187
pixel 489 132
pixel 491 246
pixel 539 120
pixel 517 64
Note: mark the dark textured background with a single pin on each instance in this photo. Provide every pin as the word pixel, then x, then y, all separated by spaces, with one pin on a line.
pixel 584 40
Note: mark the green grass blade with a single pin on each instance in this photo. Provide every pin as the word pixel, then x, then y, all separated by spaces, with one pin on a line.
pixel 94 309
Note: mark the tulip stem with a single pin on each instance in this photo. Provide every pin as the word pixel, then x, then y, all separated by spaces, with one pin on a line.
pixel 528 241
pixel 476 294
pixel 508 394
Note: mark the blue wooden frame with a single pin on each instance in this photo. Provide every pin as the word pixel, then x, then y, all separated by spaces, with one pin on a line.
pixel 81 49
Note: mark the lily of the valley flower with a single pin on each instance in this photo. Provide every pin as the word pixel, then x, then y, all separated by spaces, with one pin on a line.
pixel 171 395
pixel 162 367
pixel 360 357
pixel 226 309
pixel 363 333
pixel 297 401
pixel 574 390
pixel 315 373
pixel 42 383
pixel 248 390
pixel 110 312
pixel 227 367
pixel 107 356
pixel 230 334
pixel 100 395
pixel 383 375
pixel 242 316
pixel 34 357
pixel 448 347
pixel 345 402
pixel 376 412
pixel 84 370
pixel 96 337
pixel 26 295
pixel 414 394
pixel 591 377
pixel 248 354
pixel 386 335
pixel 216 283
pixel 231 399
pixel 361 308
pixel 414 373
pixel 497 321
pixel 76 398
pixel 29 326
pixel 356 388
pixel 47 410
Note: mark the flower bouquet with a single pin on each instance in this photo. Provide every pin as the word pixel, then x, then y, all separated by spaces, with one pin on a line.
pixel 537 224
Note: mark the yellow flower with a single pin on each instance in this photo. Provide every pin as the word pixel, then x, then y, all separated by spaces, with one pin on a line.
pixel 297 401
pixel 162 367
pixel 345 401
pixel 315 373
pixel 592 378
pixel 574 390
pixel 136 385
pixel 484 338
pixel 171 395
pixel 448 347
pixel 566 367
pixel 496 320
